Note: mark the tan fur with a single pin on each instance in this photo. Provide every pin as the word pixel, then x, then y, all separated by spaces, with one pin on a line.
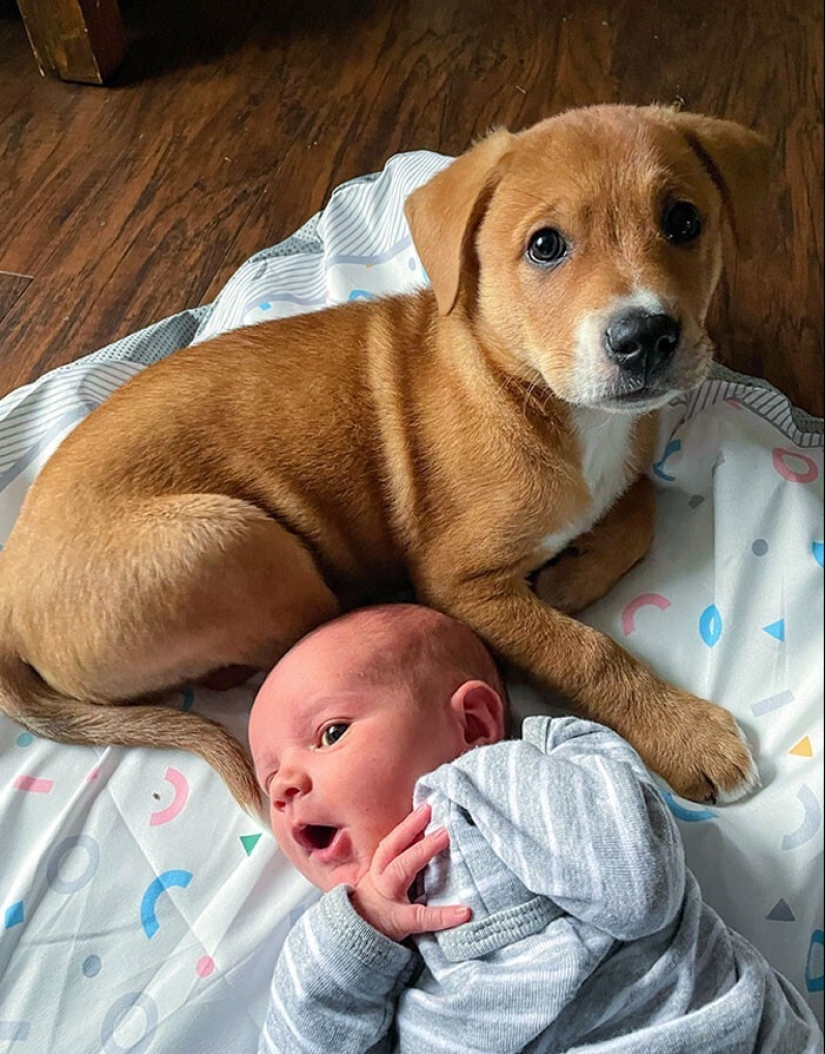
pixel 238 493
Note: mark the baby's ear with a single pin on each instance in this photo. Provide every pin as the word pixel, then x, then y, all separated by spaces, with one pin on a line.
pixel 480 711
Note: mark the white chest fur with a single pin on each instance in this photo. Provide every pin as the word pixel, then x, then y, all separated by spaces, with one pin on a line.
pixel 604 441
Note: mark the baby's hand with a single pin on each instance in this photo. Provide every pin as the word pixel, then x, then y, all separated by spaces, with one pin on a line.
pixel 381 896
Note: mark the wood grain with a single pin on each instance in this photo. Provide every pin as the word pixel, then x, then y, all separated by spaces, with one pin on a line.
pixel 77 40
pixel 229 124
pixel 12 287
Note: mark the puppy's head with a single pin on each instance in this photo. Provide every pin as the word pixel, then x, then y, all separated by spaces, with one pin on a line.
pixel 585 250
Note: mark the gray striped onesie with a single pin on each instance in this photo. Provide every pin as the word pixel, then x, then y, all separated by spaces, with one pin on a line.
pixel 588 933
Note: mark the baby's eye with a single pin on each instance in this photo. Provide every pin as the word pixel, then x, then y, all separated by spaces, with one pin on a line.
pixel 332 733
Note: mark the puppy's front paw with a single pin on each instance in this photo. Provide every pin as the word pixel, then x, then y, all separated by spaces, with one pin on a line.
pixel 567 582
pixel 706 757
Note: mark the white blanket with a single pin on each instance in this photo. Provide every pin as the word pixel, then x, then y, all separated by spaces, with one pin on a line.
pixel 141 911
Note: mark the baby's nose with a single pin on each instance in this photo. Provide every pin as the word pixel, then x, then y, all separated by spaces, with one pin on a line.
pixel 290 782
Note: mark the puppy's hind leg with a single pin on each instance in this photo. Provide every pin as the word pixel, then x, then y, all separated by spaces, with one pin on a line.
pixel 193 583
pixel 239 589
pixel 185 585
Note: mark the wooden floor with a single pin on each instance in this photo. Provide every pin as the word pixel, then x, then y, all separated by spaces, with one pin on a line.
pixel 231 122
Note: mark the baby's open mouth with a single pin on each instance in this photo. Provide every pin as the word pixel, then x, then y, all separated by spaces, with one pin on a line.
pixel 313 836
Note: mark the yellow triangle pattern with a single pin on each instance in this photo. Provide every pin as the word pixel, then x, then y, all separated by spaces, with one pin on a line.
pixel 803 748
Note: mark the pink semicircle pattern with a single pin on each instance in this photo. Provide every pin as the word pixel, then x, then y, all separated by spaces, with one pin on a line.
pixel 181 789
pixel 642 601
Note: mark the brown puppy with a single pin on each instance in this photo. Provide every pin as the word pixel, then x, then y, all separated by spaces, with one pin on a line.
pixel 230 498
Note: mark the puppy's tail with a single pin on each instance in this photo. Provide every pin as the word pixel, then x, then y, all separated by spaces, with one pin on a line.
pixel 26 698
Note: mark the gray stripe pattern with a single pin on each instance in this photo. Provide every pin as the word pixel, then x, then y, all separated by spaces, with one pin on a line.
pixel 588 932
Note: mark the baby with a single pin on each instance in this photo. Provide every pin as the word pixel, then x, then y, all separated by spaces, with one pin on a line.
pixel 482 895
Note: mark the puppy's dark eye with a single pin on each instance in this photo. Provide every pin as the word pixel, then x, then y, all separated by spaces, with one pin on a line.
pixel 546 246
pixel 681 223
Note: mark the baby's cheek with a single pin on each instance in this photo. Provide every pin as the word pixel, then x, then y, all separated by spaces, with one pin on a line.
pixel 384 821
pixel 298 860
pixel 280 832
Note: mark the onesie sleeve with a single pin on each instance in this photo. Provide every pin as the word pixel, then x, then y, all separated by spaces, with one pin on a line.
pixel 574 814
pixel 336 984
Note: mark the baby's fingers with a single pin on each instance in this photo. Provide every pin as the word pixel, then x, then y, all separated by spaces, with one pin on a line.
pixel 423 919
pixel 402 836
pixel 398 874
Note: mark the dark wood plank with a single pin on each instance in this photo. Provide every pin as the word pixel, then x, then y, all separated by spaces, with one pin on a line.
pixel 76 40
pixel 12 287
pixel 229 124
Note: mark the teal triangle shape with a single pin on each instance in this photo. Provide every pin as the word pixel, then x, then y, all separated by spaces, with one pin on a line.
pixel 776 629
pixel 249 841
pixel 781 912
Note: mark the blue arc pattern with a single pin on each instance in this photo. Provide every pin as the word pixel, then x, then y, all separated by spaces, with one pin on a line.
pixel 163 882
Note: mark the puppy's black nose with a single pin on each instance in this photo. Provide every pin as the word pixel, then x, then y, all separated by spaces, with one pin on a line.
pixel 642 344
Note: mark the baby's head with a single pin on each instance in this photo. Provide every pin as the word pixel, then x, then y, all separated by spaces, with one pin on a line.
pixel 353 715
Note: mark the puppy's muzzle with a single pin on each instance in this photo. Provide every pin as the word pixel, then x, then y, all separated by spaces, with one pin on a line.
pixel 641 344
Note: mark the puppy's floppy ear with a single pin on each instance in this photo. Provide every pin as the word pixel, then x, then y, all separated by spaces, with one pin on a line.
pixel 444 213
pixel 737 160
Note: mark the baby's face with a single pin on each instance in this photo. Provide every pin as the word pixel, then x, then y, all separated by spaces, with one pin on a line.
pixel 338 761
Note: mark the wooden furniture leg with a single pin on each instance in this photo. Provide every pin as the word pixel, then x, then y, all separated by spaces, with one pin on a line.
pixel 76 40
